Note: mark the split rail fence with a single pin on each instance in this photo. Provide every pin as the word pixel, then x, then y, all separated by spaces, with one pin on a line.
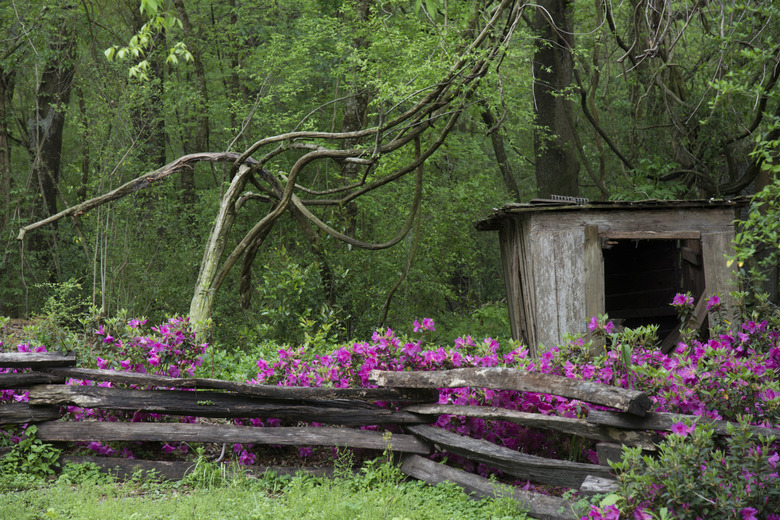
pixel 629 424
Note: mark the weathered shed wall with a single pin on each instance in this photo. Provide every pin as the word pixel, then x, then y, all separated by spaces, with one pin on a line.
pixel 554 266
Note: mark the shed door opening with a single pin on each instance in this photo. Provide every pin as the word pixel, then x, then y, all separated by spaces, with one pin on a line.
pixel 641 277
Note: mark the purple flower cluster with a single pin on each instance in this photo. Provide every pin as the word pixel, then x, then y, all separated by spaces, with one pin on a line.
pixel 733 373
pixel 170 349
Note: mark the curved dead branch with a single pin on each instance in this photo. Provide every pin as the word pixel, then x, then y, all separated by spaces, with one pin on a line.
pixel 137 184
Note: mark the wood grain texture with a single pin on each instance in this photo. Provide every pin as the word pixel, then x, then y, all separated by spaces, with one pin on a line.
pixel 659 220
pixel 598 486
pixel 217 404
pixel 89 431
pixel 36 359
pixel 537 469
pixel 20 413
pixel 270 391
pixel 594 273
pixel 25 379
pixel 664 422
pixel 544 248
pixel 538 506
pixel 719 277
pixel 578 427
pixel 632 401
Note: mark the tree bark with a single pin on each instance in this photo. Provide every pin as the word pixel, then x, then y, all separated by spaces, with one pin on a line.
pixel 6 90
pixel 148 119
pixel 201 141
pixel 557 168
pixel 45 132
pixel 500 151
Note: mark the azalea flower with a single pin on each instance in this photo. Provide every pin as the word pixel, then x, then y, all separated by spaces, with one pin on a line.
pixel 681 429
pixel 749 513
pixel 713 302
pixel 681 300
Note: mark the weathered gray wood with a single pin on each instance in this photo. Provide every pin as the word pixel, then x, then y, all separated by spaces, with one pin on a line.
pixel 36 359
pixel 594 273
pixel 720 277
pixel 682 234
pixel 88 431
pixel 217 404
pixel 609 452
pixel 20 413
pixel 569 284
pixel 539 506
pixel 660 220
pixel 545 247
pixel 508 240
pixel 598 486
pixel 537 469
pixel 664 422
pixel 632 401
pixel 411 395
pixel 25 379
pixel 578 427
pixel 527 285
pixel 175 470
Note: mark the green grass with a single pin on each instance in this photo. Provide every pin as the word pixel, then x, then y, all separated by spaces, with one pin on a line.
pixel 377 492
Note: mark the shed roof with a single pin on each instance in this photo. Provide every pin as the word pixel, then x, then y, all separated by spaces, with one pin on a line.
pixel 500 215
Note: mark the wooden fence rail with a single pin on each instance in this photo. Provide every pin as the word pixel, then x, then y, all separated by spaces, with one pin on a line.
pixel 415 394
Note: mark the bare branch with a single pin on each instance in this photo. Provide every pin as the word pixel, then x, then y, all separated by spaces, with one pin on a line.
pixel 137 184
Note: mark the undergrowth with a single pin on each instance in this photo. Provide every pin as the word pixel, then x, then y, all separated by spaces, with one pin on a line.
pixel 209 492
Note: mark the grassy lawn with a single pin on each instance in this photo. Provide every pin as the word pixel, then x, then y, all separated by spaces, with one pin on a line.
pixel 378 492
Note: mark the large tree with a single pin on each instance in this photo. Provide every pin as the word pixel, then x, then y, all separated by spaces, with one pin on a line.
pixel 412 130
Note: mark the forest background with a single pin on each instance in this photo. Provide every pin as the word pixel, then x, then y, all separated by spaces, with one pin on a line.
pixel 607 100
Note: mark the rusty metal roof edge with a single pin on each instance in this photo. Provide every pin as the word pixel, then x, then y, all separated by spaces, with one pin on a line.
pixel 493 222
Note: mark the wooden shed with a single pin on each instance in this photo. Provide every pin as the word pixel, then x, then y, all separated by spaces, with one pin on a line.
pixel 565 262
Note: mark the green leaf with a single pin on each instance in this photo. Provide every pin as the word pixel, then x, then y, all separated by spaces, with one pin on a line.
pixel 609 500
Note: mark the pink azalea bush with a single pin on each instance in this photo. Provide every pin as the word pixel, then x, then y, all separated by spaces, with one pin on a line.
pixel 730 375
pixel 167 349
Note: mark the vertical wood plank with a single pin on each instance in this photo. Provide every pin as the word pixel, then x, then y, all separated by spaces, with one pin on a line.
pixel 527 283
pixel 594 273
pixel 569 282
pixel 545 249
pixel 719 278
pixel 510 259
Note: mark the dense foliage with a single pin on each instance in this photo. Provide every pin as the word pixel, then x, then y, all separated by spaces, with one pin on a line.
pixel 650 100
pixel 731 375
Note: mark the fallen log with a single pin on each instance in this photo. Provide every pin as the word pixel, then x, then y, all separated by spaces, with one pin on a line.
pixel 409 395
pixel 537 469
pixel 632 401
pixel 538 506
pixel 664 422
pixel 88 431
pixel 20 413
pixel 579 427
pixel 36 359
pixel 217 404
pixel 25 379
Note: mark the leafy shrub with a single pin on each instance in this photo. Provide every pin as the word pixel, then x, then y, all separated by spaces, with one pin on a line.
pixel 31 457
pixel 83 473
pixel 697 475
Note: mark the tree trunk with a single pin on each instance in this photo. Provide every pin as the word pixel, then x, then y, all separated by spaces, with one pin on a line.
pixel 557 168
pixel 201 141
pixel 45 132
pixel 148 115
pixel 500 151
pixel 6 89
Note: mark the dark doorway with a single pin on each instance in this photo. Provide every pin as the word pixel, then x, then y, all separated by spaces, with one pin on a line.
pixel 641 278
